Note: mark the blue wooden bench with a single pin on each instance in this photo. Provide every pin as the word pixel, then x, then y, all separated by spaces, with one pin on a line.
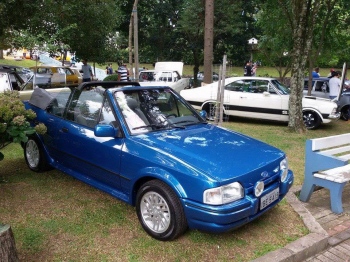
pixel 326 165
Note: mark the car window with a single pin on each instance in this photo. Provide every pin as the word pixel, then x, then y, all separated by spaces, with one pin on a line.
pixel 281 89
pixel 321 86
pixel 41 70
pixel 107 117
pixel 239 86
pixel 165 76
pixel 68 72
pixel 259 86
pixel 59 104
pixel 85 107
pixel 16 83
pixel 152 110
pixel 176 76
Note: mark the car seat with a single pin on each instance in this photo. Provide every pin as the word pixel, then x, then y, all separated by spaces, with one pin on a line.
pixel 134 106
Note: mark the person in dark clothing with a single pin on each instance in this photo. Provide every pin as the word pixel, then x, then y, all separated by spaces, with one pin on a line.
pixel 248 69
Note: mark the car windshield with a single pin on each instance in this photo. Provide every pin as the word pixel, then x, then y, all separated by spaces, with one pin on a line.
pixel 281 88
pixel 155 109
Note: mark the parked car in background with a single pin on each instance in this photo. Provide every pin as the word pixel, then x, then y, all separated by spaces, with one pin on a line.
pixel 157 153
pixel 167 74
pixel 200 78
pixel 321 89
pixel 10 80
pixel 78 74
pixel 261 98
pixel 23 72
pixel 59 75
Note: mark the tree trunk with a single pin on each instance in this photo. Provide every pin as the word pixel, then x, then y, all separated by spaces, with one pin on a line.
pixel 8 252
pixel 303 21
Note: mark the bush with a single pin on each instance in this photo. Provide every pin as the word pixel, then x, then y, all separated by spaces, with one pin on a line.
pixel 113 77
pixel 14 120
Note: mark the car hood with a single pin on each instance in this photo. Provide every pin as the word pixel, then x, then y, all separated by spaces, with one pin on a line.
pixel 212 151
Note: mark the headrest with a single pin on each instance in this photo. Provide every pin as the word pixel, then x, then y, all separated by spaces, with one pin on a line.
pixel 132 103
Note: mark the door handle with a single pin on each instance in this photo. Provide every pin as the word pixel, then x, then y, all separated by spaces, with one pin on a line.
pixel 65 130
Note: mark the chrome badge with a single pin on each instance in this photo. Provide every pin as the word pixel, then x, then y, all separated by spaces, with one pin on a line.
pixel 265 174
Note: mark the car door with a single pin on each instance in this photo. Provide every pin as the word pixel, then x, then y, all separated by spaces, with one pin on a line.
pixel 261 100
pixel 5 82
pixel 75 145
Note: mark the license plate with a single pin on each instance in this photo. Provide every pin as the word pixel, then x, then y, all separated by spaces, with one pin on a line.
pixel 269 198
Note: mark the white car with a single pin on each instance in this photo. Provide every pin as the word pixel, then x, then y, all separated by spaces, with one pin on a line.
pixel 167 74
pixel 259 97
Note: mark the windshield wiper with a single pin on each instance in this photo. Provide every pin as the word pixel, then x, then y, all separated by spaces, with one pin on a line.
pixel 176 126
pixel 185 121
pixel 145 126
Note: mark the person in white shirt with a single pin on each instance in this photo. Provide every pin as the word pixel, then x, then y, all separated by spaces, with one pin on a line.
pixel 334 85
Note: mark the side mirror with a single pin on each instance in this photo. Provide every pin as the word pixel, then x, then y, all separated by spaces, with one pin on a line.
pixel 103 130
pixel 203 114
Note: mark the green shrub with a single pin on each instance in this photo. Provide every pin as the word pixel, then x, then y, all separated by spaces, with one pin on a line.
pixel 113 77
pixel 14 120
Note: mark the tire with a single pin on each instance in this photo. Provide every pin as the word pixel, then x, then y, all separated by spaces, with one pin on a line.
pixel 344 113
pixel 311 120
pixel 34 156
pixel 159 211
pixel 210 108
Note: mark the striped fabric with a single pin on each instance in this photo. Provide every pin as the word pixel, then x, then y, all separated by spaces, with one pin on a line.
pixel 123 71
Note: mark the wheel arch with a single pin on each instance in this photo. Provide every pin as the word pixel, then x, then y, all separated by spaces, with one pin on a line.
pixel 39 139
pixel 310 109
pixel 157 174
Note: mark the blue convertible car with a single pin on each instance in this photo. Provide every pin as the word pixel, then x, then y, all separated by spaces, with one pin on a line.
pixel 148 147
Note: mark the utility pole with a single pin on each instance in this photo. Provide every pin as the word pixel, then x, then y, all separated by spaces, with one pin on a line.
pixel 208 41
pixel 134 24
pixel 136 42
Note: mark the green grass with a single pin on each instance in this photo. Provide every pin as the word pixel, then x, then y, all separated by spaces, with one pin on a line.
pixel 54 217
pixel 187 71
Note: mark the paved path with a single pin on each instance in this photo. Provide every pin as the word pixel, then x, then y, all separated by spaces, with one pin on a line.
pixel 329 237
pixel 339 253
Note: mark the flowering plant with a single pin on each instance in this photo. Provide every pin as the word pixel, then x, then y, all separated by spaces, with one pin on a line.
pixel 14 120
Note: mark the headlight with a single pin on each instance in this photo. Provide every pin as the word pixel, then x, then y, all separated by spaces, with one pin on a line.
pixel 284 169
pixel 259 188
pixel 224 194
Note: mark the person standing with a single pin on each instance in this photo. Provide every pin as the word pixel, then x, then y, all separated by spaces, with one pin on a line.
pixel 248 69
pixel 330 73
pixel 123 73
pixel 109 69
pixel 334 85
pixel 87 71
pixel 254 69
pixel 316 73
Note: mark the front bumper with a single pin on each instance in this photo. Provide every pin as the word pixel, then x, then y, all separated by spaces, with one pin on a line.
pixel 334 116
pixel 218 219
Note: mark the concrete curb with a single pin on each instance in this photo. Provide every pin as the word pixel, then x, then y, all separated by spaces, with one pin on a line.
pixel 299 250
